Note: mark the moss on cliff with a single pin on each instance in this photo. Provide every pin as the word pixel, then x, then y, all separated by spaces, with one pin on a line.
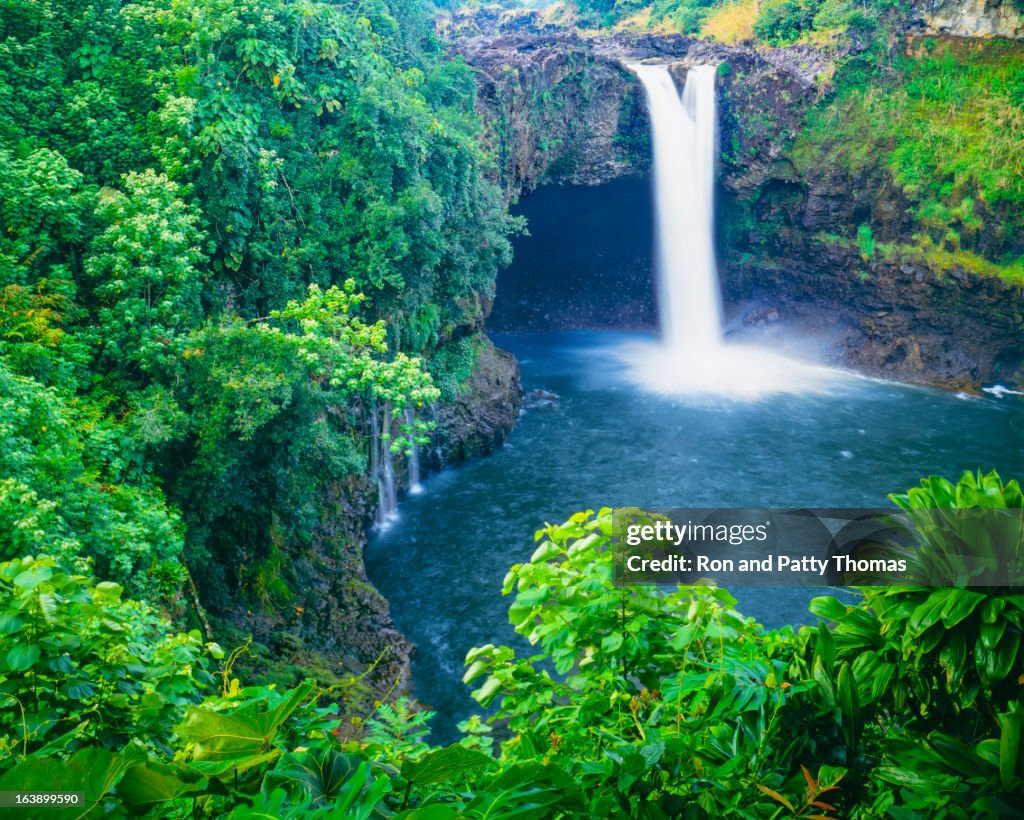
pixel 946 120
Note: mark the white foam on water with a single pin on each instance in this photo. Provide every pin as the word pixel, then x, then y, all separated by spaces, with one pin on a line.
pixel 999 390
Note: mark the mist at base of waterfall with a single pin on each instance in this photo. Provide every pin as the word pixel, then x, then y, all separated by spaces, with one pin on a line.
pixel 738 371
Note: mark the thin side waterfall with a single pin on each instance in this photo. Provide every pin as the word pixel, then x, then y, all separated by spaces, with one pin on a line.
pixel 684 133
pixel 388 486
pixel 382 468
pixel 415 487
pixel 692 358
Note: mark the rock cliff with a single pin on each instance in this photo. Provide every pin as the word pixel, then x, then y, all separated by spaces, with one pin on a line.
pixel 557 110
pixel 970 18
pixel 563 108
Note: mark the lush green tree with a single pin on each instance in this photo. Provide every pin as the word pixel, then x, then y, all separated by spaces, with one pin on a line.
pixel 75 485
pixel 175 178
pixel 142 273
pixel 81 666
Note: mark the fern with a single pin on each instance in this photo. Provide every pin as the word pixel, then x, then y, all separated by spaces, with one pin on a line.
pixel 400 726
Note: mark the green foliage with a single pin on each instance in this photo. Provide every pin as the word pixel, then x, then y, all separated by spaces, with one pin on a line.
pixel 300 385
pixel 640 702
pixel 684 15
pixel 778 22
pixel 326 778
pixel 946 123
pixel 74 486
pixel 323 150
pixel 452 365
pixel 83 667
pixel 781 22
pixel 656 694
pixel 866 242
pixel 400 727
pixel 192 197
pixel 939 667
pixel 142 272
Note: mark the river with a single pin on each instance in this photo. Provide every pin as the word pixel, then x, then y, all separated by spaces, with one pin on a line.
pixel 846 443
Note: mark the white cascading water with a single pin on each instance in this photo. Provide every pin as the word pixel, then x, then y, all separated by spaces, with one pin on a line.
pixel 415 485
pixel 382 467
pixel 684 137
pixel 692 357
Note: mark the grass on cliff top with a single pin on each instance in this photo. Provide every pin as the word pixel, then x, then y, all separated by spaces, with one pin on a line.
pixel 947 120
pixel 732 23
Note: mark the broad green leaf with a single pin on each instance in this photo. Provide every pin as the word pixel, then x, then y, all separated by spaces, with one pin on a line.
pixel 1011 735
pixel 486 693
pixel 444 764
pixel 827 607
pixel 93 771
pixel 929 612
pixel 476 669
pixel 145 785
pixel 244 733
pixel 533 596
pixel 319 774
pixel 22 656
pixel 992 633
pixel 959 604
pixel 31 578
pixel 234 765
pixel 10 622
pixel 849 705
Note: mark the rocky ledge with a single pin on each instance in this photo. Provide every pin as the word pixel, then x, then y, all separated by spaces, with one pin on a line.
pixel 483 413
pixel 562 108
pixel 891 318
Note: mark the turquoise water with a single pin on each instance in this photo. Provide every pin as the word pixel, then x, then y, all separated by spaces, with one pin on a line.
pixel 609 443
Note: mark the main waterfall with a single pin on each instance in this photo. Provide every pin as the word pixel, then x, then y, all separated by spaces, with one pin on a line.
pixel 692 356
pixel 684 135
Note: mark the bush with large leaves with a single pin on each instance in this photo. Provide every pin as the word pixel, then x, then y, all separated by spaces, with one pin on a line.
pixel 661 701
pixel 81 666
pixel 938 669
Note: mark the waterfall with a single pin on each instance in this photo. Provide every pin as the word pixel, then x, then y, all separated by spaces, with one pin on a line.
pixel 692 358
pixel 387 486
pixel 415 487
pixel 684 133
pixel 382 467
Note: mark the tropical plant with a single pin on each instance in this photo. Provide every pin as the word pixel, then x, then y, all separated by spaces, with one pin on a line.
pixel 938 667
pixel 656 695
pixel 83 667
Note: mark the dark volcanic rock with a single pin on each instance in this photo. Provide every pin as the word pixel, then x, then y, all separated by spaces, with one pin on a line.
pixel 890 318
pixel 481 417
pixel 560 108
pixel 788 229
pixel 587 262
pixel 319 615
pixel 556 111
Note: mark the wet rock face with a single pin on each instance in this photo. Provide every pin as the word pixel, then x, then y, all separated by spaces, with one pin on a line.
pixel 785 229
pixel 893 319
pixel 329 619
pixel 970 18
pixel 481 417
pixel 556 111
pixel 586 264
pixel 323 618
